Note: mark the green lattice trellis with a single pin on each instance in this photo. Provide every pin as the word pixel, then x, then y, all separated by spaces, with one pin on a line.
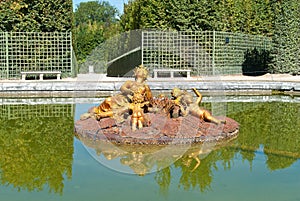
pixel 205 52
pixel 35 51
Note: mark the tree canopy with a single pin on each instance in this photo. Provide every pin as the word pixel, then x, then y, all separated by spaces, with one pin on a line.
pixel 36 15
pixel 287 39
pixel 95 21
pixel 245 16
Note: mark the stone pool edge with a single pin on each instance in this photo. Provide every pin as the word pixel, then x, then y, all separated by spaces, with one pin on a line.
pixel 79 88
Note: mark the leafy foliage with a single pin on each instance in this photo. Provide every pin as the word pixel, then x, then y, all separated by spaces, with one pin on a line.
pixel 94 23
pixel 36 15
pixel 287 39
pixel 251 17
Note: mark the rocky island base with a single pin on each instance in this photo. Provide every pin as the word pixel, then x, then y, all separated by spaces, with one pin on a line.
pixel 161 131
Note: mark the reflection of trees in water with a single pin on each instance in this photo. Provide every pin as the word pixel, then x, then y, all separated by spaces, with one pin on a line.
pixel 163 179
pixel 275 126
pixel 37 152
pixel 201 177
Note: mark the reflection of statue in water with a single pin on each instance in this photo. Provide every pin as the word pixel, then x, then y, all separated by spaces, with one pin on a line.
pixel 116 105
pixel 187 105
pixel 136 161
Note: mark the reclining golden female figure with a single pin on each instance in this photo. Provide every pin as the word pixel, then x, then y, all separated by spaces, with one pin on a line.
pixel 120 102
pixel 187 106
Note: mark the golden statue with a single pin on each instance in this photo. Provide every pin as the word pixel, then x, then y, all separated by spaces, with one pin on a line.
pixel 138 119
pixel 136 99
pixel 187 106
pixel 119 103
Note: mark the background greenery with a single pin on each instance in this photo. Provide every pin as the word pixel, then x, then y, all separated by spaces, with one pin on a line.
pixel 246 16
pixel 36 15
pixel 95 21
pixel 273 18
pixel 287 39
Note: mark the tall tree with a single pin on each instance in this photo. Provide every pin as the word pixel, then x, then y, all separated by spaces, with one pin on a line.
pixel 287 38
pixel 164 14
pixel 95 11
pixel 36 15
pixel 245 16
pixel 95 21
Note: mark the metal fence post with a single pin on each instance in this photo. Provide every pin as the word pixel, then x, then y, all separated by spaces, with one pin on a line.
pixel 142 48
pixel 73 72
pixel 213 52
pixel 7 53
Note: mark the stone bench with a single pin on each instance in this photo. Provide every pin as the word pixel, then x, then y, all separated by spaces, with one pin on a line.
pixel 172 71
pixel 41 74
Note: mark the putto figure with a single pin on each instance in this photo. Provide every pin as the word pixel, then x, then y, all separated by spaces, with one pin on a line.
pixel 187 106
pixel 136 108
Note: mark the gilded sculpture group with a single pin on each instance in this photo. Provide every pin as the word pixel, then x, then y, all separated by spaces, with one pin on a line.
pixel 136 99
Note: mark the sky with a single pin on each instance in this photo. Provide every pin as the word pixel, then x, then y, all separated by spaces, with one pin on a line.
pixel 116 3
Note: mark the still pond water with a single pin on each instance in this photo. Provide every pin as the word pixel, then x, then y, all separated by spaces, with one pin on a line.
pixel 41 159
